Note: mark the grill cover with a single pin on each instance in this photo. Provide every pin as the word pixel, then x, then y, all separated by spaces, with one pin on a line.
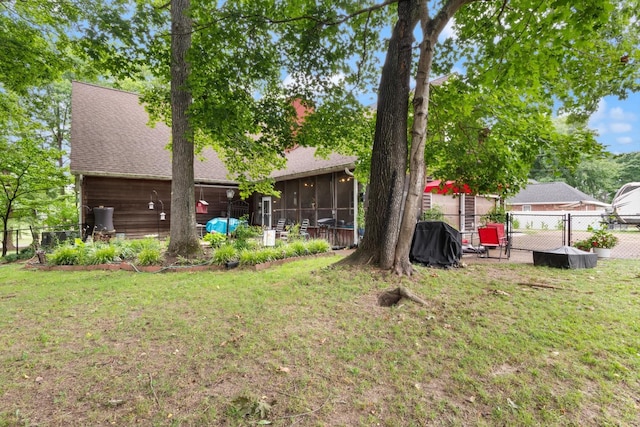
pixel 565 257
pixel 436 244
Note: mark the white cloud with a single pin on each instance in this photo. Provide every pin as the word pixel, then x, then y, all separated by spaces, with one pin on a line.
pixel 624 140
pixel 618 113
pixel 620 127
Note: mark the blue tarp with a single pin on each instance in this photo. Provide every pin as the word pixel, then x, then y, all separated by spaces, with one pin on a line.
pixel 219 225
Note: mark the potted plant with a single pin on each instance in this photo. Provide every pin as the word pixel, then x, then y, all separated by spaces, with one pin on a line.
pixel 602 241
pixel 583 245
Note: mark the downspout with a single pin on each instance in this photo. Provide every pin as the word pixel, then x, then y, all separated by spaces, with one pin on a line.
pixel 355 206
pixel 79 204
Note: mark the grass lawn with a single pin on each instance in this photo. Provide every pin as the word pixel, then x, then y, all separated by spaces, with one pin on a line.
pixel 301 344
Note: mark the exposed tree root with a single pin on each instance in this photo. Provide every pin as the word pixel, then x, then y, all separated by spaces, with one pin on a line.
pixel 358 257
pixel 389 298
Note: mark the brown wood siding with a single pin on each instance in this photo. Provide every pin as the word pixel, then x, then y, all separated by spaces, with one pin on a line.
pixel 130 199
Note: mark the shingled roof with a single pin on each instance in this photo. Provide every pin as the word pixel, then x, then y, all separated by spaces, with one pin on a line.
pixel 559 193
pixel 110 137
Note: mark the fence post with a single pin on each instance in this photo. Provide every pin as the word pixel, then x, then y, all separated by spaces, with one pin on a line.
pixel 568 229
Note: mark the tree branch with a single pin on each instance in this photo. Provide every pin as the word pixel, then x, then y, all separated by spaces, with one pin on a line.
pixel 341 19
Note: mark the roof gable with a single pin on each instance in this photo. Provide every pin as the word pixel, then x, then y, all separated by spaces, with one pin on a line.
pixel 110 137
pixel 551 193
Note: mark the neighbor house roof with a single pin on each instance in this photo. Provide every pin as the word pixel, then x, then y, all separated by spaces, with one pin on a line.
pixel 558 193
pixel 110 136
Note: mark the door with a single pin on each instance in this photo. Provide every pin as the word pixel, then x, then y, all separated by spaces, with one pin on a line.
pixel 265 211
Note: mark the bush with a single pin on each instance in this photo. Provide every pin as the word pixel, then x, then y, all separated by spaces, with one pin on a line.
pixel 497 214
pixel 224 254
pixel 147 243
pixel 317 246
pixel 583 245
pixel 13 257
pixel 257 257
pixel 27 253
pixel 149 256
pixel 435 213
pixel 66 255
pixel 100 254
pixel 299 248
pixel 215 239
pixel 244 231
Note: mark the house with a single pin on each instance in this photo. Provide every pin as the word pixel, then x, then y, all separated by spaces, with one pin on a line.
pixel 122 163
pixel 553 196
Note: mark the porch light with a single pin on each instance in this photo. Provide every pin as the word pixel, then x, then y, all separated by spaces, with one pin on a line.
pixel 230 194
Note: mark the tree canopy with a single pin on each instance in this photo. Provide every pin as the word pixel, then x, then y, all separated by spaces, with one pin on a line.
pixel 519 62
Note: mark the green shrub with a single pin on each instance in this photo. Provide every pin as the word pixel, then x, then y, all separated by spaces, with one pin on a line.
pixel 100 254
pixel 149 256
pixel 241 245
pixel 435 213
pixel 249 257
pixel 27 253
pixel 66 255
pixel 125 250
pixel 299 248
pixel 245 232
pixel 254 257
pixel 224 254
pixel 10 257
pixel 148 243
pixel 497 214
pixel 288 251
pixel 318 246
pixel 215 239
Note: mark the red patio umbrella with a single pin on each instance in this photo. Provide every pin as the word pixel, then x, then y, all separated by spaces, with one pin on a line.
pixel 449 187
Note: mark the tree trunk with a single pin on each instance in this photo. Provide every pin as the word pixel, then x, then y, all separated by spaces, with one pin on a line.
pixel 183 239
pixel 389 153
pixel 431 29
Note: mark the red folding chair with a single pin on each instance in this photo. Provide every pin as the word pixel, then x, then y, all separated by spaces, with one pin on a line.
pixel 490 239
pixel 504 240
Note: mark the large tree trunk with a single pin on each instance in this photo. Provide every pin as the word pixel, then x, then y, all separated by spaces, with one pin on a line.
pixel 431 29
pixel 183 239
pixel 389 155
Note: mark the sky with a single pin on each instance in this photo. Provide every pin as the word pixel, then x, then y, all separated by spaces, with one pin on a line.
pixel 618 124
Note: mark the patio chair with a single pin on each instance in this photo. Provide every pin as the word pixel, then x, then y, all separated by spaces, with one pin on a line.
pixel 490 239
pixel 303 228
pixel 280 229
pixel 502 236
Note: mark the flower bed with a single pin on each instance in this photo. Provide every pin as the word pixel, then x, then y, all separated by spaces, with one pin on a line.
pixel 146 256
